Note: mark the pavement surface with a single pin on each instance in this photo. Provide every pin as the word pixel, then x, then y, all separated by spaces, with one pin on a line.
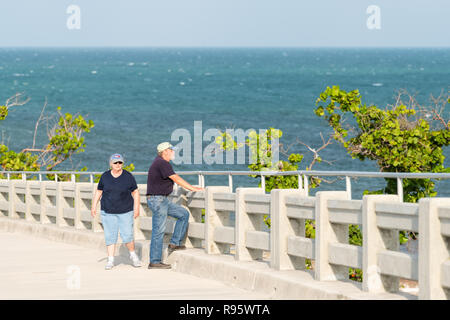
pixel 37 268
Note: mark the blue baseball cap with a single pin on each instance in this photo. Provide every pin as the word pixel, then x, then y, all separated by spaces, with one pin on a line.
pixel 116 157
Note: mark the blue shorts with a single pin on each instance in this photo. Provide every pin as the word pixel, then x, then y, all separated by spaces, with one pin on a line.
pixel 115 222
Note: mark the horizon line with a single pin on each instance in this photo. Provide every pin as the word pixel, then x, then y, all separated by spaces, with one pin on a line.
pixel 225 47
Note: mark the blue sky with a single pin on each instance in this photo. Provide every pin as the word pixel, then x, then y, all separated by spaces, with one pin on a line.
pixel 226 23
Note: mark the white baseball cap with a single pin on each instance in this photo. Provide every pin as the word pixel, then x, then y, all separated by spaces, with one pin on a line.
pixel 164 145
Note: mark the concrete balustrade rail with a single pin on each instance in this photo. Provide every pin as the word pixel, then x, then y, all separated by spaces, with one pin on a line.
pixel 232 223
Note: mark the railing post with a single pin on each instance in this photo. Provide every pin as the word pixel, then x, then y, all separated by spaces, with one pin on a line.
pixel 195 214
pixel 12 200
pixel 263 183
pixel 28 199
pixel 305 184
pixel 400 189
pixel 348 187
pixel 60 221
pixel 97 221
pixel 44 219
pixel 376 240
pixel 78 224
pixel 201 181
pixel 433 250
pixel 230 182
pixel 212 220
pixel 138 233
pixel 327 233
pixel 280 230
pixel 244 223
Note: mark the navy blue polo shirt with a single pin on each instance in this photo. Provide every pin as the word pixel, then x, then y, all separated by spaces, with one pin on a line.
pixel 158 181
pixel 116 196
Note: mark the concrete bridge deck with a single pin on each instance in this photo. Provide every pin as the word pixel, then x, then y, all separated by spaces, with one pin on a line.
pixel 41 262
pixel 37 268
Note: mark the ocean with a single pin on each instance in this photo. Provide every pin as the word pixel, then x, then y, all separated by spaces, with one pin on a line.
pixel 138 96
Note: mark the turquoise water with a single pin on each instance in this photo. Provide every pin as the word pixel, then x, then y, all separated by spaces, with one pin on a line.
pixel 138 97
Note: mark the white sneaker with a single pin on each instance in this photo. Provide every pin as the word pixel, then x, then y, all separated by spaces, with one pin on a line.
pixel 136 262
pixel 109 265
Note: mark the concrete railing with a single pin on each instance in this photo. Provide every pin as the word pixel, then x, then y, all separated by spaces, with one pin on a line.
pixel 225 222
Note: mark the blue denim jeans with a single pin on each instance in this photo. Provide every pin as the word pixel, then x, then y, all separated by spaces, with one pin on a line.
pixel 162 207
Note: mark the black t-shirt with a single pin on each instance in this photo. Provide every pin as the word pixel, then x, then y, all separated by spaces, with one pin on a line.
pixel 158 181
pixel 116 196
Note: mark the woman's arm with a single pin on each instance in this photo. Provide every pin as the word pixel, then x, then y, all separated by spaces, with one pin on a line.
pixel 97 196
pixel 137 202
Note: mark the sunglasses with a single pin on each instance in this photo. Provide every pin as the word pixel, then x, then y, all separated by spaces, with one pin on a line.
pixel 118 162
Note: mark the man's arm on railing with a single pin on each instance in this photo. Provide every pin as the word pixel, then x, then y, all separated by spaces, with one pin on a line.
pixel 183 183
pixel 97 196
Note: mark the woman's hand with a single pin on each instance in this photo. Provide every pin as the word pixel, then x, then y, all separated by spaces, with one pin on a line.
pixel 136 213
pixel 93 212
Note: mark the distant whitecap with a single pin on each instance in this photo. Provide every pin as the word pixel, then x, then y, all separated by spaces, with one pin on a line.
pixel 131 64
pixel 182 83
pixel 377 84
pixel 94 71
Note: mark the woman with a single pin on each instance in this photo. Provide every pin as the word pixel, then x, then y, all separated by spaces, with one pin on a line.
pixel 119 195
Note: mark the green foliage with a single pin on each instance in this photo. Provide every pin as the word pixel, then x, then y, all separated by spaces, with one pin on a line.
pixel 68 139
pixel 390 137
pixel 65 139
pixel 3 112
pixel 13 161
pixel 260 146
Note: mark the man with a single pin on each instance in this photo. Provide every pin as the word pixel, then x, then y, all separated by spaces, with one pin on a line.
pixel 161 178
